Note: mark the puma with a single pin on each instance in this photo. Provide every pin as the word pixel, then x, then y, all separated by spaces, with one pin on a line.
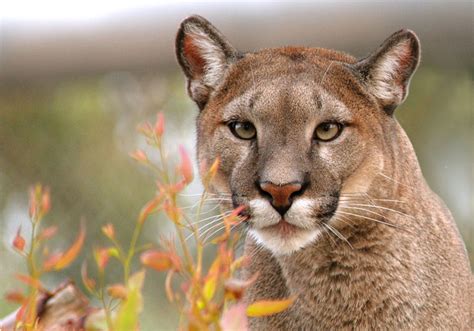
pixel 339 215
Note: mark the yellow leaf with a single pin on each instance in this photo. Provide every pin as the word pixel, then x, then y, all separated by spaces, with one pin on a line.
pixel 268 307
pixel 210 287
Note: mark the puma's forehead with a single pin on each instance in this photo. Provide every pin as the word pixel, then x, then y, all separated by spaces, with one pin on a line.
pixel 277 62
pixel 293 101
pixel 284 68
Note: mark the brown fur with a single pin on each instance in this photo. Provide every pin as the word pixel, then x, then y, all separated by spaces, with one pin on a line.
pixel 395 259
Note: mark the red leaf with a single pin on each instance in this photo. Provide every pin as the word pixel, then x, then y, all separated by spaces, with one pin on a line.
pixel 19 241
pixel 47 233
pixel 139 155
pixel 102 257
pixel 160 125
pixel 186 167
pixel 15 296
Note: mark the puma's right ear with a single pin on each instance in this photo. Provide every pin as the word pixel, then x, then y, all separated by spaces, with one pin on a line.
pixel 204 55
pixel 387 71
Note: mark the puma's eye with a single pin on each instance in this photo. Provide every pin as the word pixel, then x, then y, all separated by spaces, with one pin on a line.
pixel 243 130
pixel 327 131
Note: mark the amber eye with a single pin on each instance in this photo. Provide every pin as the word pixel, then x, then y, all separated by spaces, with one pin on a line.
pixel 243 130
pixel 327 131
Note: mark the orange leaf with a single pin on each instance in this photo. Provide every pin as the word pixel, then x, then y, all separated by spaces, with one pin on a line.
pixel 268 307
pixel 186 167
pixel 28 280
pixel 15 296
pixel 168 286
pixel 139 155
pixel 109 231
pixel 117 291
pixel 40 202
pixel 89 283
pixel 19 241
pixel 149 208
pixel 214 167
pixel 68 256
pixel 33 204
pixel 160 261
pixel 159 125
pixel 45 201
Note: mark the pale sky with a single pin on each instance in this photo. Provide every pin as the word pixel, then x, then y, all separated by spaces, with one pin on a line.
pixel 67 10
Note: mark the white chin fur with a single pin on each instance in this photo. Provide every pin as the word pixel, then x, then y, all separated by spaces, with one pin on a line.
pixel 287 245
pixel 299 215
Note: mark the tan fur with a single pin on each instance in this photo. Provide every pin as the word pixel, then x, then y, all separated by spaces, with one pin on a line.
pixel 390 256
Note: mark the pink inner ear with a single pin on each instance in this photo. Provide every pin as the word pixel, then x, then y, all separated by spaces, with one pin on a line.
pixel 193 56
pixel 405 61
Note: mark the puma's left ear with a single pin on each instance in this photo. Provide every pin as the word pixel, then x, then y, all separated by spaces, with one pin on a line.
pixel 387 71
pixel 204 55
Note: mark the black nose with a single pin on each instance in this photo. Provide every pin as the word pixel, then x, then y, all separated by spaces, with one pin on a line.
pixel 281 195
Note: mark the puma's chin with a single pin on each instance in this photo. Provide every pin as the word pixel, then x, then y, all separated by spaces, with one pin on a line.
pixel 283 235
pixel 284 238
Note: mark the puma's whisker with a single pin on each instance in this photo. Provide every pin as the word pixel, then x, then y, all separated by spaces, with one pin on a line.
pixel 338 234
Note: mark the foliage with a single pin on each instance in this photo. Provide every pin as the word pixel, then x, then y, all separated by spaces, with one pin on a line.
pixel 207 298
pixel 39 264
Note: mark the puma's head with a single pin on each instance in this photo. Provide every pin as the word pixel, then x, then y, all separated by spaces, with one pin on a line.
pixel 296 129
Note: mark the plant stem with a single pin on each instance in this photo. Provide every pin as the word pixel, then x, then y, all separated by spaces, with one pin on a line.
pixel 131 251
pixel 108 318
pixel 33 291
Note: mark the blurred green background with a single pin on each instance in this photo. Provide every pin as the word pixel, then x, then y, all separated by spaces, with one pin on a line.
pixel 76 81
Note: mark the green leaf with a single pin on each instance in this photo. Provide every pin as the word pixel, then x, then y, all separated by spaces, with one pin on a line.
pixel 130 309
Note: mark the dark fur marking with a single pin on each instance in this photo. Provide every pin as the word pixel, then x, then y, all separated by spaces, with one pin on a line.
pixel 297 57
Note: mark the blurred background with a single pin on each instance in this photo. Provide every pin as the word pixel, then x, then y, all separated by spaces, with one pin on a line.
pixel 77 77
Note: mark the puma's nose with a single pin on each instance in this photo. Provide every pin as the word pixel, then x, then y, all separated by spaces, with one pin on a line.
pixel 281 195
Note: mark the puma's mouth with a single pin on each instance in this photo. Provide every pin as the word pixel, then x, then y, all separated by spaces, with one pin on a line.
pixel 283 228
pixel 301 224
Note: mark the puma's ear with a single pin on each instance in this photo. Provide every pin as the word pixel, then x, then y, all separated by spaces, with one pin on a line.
pixel 204 55
pixel 388 70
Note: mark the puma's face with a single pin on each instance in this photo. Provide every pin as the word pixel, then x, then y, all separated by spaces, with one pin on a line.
pixel 287 147
pixel 297 130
